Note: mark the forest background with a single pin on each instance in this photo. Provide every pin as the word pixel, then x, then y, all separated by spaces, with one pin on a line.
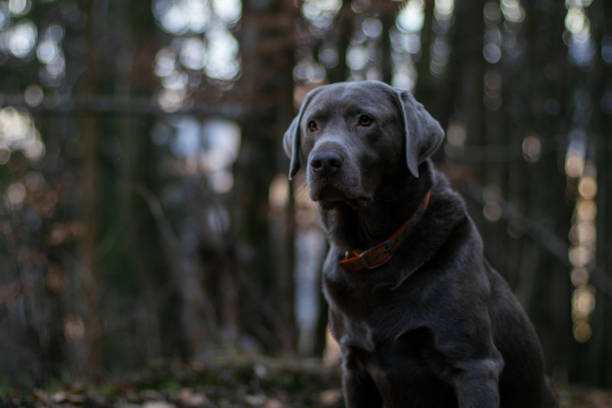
pixel 145 212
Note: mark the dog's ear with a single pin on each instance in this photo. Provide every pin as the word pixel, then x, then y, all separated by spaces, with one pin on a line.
pixel 423 134
pixel 291 139
pixel 291 144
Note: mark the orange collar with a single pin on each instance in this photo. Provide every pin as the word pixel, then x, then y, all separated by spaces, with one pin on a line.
pixel 380 254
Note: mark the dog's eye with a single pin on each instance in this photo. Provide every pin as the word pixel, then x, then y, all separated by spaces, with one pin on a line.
pixel 312 126
pixel 365 120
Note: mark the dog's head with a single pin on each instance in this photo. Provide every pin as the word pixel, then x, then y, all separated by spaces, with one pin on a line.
pixel 352 136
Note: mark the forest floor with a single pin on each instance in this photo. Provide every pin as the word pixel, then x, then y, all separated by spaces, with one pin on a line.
pixel 225 383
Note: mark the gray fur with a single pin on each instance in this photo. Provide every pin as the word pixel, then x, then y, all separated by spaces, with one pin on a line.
pixel 436 326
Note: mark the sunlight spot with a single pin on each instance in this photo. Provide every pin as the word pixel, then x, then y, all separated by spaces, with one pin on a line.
pixel 586 210
pixel 176 81
pixel 34 148
pixel 410 18
pixel 321 12
pixel 229 11
pixel 328 57
pixel 404 76
pixel 512 11
pixel 372 27
pixel 440 53
pixel 223 62
pixel 55 33
pixel 582 331
pixel 357 57
pixel 574 158
pixel 221 181
pixel 532 148
pixel 193 53
pixel 579 276
pixel 47 50
pixel 491 12
pixel 443 9
pixel 586 232
pixel 491 53
pixel 19 7
pixel 587 187
pixel 15 194
pixel 74 328
pixel 278 195
pixel 309 71
pixel 188 138
pixel 33 95
pixel 56 66
pixel 165 62
pixel 583 301
pixel 222 140
pixel 18 132
pixel 408 42
pixel 492 211
pixel 170 100
pixel 181 16
pixel 22 39
pixel 575 20
pixel 456 134
pixel 580 256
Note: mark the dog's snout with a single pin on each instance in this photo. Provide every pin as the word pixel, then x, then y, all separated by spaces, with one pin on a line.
pixel 326 163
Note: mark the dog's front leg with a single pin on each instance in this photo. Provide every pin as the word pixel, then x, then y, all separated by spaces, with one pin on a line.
pixel 359 389
pixel 476 383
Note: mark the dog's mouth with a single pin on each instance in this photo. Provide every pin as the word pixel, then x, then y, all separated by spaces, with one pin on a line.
pixel 330 196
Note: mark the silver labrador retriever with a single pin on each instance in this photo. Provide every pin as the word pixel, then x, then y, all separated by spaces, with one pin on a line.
pixel 421 317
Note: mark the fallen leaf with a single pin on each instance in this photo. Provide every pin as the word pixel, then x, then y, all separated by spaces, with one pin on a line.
pixel 58 397
pixel 255 400
pixel 157 404
pixel 330 397
pixel 191 399
pixel 274 403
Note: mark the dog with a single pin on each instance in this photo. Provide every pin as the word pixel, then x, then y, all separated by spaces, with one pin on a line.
pixel 421 318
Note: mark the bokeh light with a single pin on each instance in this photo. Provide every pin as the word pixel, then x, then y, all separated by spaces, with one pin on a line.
pixel 22 39
pixel 18 132
pixel 410 19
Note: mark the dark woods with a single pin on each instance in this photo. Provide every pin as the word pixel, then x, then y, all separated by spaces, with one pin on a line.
pixel 144 206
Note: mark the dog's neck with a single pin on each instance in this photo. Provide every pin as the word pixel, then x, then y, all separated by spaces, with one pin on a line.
pixel 351 227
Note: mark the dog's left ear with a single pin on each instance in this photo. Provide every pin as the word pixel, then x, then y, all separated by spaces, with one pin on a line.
pixel 423 134
pixel 291 139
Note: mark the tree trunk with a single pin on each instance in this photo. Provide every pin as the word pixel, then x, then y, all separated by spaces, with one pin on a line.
pixel 344 26
pixel 600 353
pixel 268 43
pixel 90 274
pixel 424 89
pixel 549 305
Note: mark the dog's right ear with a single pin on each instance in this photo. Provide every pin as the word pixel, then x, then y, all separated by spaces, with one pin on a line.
pixel 291 139
pixel 291 144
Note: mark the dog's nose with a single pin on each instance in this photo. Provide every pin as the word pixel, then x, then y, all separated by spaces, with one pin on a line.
pixel 325 163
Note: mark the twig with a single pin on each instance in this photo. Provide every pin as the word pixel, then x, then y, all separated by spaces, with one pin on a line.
pixel 124 106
